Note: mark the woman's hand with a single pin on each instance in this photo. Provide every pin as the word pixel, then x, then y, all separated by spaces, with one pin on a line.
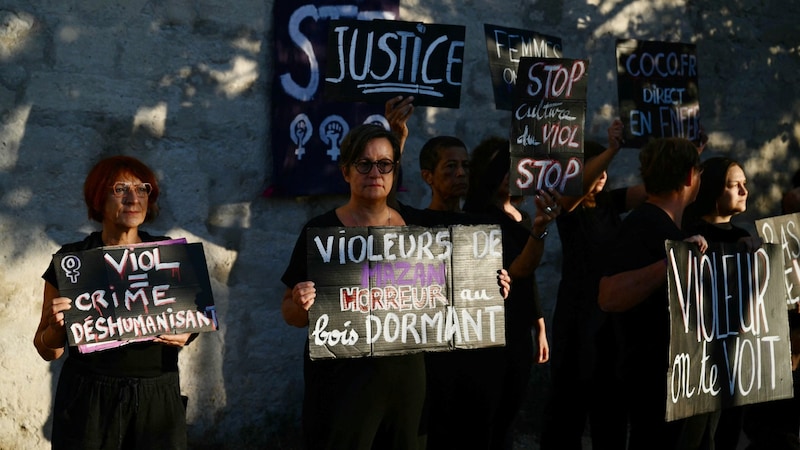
pixel 55 318
pixel 296 303
pixel 615 134
pixel 304 294
pixel 173 340
pixel 51 334
pixel 548 207
pixel 504 281
pixel 702 245
pixel 397 111
pixel 542 348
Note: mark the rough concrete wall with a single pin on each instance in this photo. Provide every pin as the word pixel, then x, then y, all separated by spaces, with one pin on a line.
pixel 185 86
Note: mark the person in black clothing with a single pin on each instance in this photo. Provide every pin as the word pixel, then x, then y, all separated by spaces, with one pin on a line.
pixel 584 384
pixel 370 402
pixel 523 245
pixel 722 195
pixel 635 288
pixel 129 396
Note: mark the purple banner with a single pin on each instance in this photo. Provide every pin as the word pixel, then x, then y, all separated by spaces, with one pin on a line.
pixel 306 130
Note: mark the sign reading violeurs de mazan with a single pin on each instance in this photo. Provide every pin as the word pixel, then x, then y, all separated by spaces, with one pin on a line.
pixel 398 290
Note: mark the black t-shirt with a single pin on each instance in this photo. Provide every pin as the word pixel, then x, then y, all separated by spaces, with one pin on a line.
pixel 334 385
pixel 580 328
pixel 723 232
pixel 137 360
pixel 644 329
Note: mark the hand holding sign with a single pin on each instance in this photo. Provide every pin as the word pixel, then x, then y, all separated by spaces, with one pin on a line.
pixel 53 318
pixel 397 112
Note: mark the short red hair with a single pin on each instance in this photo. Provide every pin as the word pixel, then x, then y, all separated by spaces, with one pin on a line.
pixel 98 184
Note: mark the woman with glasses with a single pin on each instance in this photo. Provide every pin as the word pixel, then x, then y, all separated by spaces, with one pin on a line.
pixel 358 403
pixel 355 403
pixel 128 396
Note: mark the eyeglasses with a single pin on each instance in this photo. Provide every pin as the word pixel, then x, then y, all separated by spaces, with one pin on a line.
pixel 120 190
pixel 364 166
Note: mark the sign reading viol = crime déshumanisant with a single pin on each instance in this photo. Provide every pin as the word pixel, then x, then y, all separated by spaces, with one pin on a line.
pixel 126 293
pixel 398 290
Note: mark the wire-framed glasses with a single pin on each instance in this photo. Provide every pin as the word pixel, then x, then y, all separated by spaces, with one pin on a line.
pixel 363 166
pixel 122 189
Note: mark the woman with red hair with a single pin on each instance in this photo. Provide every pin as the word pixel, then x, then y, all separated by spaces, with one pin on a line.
pixel 128 396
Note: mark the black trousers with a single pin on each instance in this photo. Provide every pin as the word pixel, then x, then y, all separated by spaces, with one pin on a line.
pixel 100 412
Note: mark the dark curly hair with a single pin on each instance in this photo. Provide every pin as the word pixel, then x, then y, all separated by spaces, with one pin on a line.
pixel 666 162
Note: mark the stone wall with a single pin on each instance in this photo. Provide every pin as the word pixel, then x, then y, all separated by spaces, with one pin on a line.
pixel 185 86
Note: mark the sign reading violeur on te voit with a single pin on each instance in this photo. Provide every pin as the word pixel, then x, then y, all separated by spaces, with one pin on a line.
pixel 398 290
pixel 133 292
pixel 729 331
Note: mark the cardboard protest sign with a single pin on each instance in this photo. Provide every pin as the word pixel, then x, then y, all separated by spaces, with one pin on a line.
pixel 658 91
pixel 306 131
pixel 398 290
pixel 132 292
pixel 547 126
pixel 373 61
pixel 505 46
pixel 785 232
pixel 729 329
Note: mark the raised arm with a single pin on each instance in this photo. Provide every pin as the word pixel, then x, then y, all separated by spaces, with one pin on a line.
pixel 397 111
pixel 547 209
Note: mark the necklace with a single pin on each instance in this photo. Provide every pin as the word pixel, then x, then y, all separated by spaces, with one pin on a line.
pixel 356 221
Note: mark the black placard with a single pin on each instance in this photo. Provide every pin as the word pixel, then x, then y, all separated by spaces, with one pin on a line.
pixel 547 126
pixel 505 46
pixel 372 61
pixel 785 231
pixel 658 91
pixel 135 292
pixel 398 290
pixel 729 329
